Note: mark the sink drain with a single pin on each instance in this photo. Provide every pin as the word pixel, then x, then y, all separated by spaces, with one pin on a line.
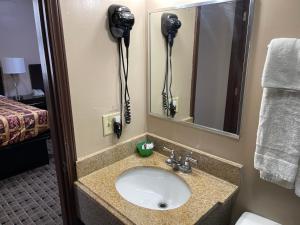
pixel 162 205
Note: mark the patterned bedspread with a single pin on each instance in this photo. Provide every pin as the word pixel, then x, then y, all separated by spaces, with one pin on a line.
pixel 19 122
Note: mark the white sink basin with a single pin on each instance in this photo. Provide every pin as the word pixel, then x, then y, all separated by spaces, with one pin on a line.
pixel 153 188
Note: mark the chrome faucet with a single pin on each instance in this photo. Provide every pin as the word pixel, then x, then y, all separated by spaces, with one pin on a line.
pixel 179 164
pixel 172 160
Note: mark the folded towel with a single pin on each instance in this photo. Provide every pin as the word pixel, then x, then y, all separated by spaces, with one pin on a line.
pixel 282 66
pixel 278 137
pixel 277 154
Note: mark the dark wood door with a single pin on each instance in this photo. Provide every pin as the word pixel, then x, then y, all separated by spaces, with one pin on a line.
pixel 236 69
pixel 1 83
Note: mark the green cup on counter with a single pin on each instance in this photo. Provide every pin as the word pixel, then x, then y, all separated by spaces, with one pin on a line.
pixel 143 148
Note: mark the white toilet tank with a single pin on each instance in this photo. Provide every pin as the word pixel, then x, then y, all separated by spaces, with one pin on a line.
pixel 253 219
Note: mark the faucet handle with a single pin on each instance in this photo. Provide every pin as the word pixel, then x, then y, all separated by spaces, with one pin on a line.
pixel 189 159
pixel 172 156
pixel 186 166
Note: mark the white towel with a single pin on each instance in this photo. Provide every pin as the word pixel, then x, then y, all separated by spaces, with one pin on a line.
pixel 282 66
pixel 276 180
pixel 278 136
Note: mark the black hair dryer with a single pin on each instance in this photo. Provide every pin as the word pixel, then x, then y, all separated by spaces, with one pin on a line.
pixel 121 21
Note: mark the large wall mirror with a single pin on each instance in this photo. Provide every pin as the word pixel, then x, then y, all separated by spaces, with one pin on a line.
pixel 197 63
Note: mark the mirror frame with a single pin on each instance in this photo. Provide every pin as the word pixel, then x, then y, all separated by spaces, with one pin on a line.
pixel 244 73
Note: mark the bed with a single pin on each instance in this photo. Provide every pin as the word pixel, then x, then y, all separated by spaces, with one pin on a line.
pixel 24 130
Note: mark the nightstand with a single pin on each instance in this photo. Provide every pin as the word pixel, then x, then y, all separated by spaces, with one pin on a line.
pixel 36 101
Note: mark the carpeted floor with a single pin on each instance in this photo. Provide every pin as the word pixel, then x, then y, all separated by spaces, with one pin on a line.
pixel 31 198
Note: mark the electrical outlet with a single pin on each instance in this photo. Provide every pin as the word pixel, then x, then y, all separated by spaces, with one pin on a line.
pixel 108 123
pixel 176 102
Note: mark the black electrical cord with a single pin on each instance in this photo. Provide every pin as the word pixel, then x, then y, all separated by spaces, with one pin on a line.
pixel 168 106
pixel 165 92
pixel 127 95
pixel 172 106
pixel 118 127
pixel 127 110
pixel 121 82
pixel 171 74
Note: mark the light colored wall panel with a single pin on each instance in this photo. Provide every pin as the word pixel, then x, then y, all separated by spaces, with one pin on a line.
pixel 92 58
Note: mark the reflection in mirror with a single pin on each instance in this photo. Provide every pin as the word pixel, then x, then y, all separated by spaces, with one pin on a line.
pixel 198 63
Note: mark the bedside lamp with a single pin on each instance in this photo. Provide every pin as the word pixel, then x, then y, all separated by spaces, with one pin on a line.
pixel 14 67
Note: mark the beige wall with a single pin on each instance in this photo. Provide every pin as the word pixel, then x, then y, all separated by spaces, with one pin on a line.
pixel 273 18
pixel 182 61
pixel 18 39
pixel 93 71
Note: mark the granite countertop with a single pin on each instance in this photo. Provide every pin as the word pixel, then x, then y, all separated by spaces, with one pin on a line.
pixel 207 192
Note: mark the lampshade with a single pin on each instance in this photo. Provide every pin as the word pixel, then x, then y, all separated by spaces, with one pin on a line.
pixel 13 65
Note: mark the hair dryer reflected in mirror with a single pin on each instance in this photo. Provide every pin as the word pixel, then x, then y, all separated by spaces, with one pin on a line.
pixel 121 21
pixel 169 28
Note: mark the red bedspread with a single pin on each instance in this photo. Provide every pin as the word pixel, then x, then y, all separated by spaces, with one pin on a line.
pixel 19 122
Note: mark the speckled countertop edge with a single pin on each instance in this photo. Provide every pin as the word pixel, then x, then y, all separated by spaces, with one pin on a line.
pixel 111 209
pixel 208 191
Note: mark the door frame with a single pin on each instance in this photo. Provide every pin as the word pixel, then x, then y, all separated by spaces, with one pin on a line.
pixel 195 62
pixel 237 68
pixel 57 91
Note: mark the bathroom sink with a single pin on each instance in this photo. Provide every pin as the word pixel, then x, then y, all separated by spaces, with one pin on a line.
pixel 153 188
